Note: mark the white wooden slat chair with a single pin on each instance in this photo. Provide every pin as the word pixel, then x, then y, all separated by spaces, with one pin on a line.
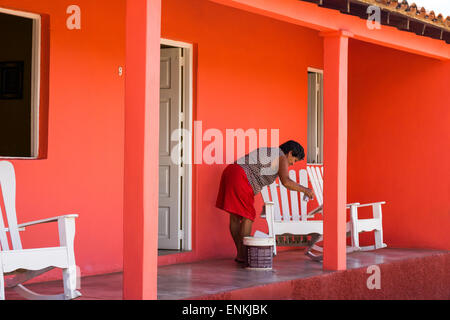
pixel 315 173
pixel 284 219
pixel 26 264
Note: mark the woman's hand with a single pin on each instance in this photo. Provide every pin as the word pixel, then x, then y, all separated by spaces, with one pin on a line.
pixel 309 193
pixel 283 173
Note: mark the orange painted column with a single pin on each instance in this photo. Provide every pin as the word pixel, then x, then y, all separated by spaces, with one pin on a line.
pixel 140 217
pixel 335 149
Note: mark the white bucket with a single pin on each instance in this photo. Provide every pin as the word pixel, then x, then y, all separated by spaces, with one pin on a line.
pixel 258 241
pixel 259 253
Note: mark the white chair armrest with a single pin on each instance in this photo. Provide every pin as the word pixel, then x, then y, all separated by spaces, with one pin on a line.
pixel 20 229
pixel 55 219
pixel 349 205
pixel 315 211
pixel 370 204
pixel 263 212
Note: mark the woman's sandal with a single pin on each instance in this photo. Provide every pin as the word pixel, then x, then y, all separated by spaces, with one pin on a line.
pixel 313 257
pixel 314 239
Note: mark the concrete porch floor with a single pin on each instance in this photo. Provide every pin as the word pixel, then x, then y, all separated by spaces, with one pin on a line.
pixel 215 278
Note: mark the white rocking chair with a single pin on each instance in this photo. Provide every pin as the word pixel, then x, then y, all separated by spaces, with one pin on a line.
pixel 285 220
pixel 26 264
pixel 315 173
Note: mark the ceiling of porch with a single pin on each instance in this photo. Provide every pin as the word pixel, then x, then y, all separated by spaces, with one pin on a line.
pixel 399 14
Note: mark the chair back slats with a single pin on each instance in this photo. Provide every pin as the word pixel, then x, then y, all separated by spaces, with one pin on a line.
pixel 284 203
pixel 8 187
pixel 294 198
pixel 285 208
pixel 3 238
pixel 274 194
pixel 319 175
pixel 312 173
pixel 304 205
pixel 265 194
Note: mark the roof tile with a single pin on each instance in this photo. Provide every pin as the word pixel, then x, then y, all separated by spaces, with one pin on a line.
pixel 420 21
pixel 403 7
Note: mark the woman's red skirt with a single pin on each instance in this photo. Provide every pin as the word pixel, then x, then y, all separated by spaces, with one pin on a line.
pixel 235 193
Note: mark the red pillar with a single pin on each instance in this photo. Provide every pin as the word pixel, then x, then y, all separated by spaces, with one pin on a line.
pixel 140 217
pixel 335 149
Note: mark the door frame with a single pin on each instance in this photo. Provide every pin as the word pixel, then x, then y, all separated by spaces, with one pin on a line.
pixel 35 78
pixel 310 69
pixel 187 99
pixel 317 71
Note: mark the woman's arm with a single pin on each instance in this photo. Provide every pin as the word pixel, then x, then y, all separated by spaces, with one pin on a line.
pixel 283 173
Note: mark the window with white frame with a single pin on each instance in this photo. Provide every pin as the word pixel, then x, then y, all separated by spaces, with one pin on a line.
pixel 315 117
pixel 19 84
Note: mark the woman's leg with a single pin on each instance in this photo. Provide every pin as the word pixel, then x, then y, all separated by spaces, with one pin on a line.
pixel 245 231
pixel 246 227
pixel 240 228
pixel 235 230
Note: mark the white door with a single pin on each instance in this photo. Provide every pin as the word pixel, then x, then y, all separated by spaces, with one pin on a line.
pixel 169 172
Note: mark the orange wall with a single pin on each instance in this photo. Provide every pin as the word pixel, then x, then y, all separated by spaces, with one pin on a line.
pixel 248 68
pixel 83 172
pixel 251 73
pixel 398 148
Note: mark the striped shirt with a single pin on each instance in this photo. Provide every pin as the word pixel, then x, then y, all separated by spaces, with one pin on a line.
pixel 261 167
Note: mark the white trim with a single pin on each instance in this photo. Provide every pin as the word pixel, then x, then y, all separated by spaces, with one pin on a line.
pixel 36 86
pixel 18 158
pixel 20 13
pixel 188 122
pixel 35 79
pixel 315 70
pixel 177 44
pixel 315 116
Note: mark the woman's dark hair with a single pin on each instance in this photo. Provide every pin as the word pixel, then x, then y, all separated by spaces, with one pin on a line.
pixel 295 147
